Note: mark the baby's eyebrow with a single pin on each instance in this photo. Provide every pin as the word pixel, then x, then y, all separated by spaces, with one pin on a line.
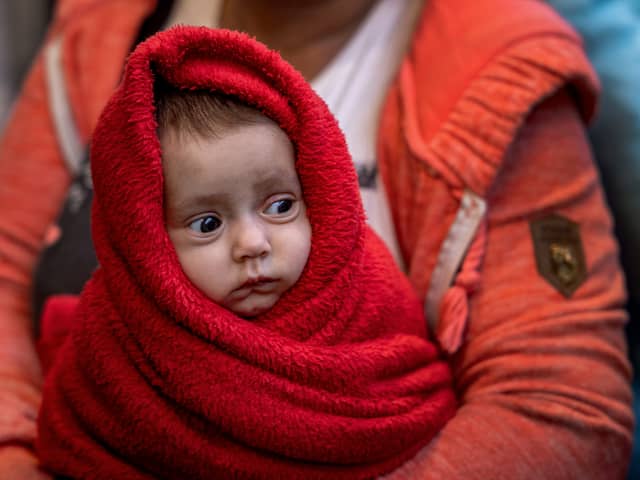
pixel 276 179
pixel 190 202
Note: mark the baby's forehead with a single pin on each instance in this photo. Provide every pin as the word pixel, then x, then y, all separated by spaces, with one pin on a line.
pixel 257 156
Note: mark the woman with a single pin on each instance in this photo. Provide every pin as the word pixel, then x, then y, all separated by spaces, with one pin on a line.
pixel 498 216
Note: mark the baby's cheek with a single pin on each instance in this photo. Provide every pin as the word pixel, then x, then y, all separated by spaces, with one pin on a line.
pixel 298 247
pixel 202 266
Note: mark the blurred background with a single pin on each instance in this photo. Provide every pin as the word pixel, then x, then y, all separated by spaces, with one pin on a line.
pixel 22 28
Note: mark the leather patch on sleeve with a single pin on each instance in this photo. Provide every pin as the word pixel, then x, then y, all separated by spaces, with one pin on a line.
pixel 559 254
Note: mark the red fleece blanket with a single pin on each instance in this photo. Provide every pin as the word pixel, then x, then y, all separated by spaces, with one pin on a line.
pixel 337 380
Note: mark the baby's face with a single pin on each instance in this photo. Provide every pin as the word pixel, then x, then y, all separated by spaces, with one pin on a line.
pixel 235 214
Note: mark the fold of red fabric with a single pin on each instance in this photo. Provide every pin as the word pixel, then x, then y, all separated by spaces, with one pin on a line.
pixel 58 315
pixel 337 380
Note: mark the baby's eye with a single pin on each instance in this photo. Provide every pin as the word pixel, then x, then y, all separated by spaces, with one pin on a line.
pixel 205 224
pixel 279 207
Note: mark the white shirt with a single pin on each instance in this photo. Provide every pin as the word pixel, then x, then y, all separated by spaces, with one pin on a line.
pixel 354 85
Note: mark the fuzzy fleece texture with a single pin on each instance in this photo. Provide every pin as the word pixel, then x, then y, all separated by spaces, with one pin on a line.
pixel 337 380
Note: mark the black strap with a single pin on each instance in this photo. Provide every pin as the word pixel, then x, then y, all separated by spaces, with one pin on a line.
pixel 66 265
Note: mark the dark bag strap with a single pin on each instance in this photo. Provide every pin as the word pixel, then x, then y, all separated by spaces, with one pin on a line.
pixel 66 265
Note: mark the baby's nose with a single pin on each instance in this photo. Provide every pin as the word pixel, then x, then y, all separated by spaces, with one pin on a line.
pixel 250 240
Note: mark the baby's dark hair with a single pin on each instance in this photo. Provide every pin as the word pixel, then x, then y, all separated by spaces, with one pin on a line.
pixel 200 113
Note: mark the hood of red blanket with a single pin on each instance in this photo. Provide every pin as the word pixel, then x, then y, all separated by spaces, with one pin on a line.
pixel 128 218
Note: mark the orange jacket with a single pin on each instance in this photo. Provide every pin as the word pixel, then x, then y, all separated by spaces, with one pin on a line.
pixel 483 108
pixel 486 101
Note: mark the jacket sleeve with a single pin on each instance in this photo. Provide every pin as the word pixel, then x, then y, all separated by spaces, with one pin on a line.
pixel 33 181
pixel 611 32
pixel 543 380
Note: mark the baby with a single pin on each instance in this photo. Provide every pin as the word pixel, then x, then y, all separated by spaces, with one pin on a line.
pixel 244 321
pixel 233 200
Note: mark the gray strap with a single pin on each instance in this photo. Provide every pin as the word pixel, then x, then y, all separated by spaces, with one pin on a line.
pixel 470 213
pixel 69 140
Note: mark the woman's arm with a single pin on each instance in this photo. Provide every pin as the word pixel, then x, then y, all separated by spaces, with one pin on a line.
pixel 33 181
pixel 543 379
pixel 611 33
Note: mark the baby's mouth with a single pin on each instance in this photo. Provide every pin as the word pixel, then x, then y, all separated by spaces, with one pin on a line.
pixel 256 284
